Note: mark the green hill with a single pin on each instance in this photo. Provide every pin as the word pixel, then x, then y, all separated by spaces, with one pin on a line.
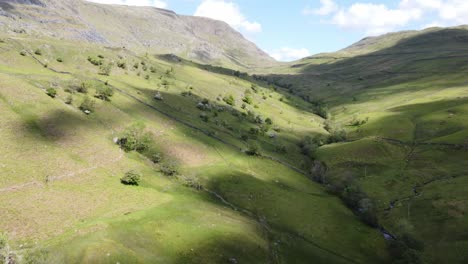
pixel 115 154
pixel 403 99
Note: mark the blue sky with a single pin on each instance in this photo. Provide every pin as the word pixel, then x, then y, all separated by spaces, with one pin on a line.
pixel 289 30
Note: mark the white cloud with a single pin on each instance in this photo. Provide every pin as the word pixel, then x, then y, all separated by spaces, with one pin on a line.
pixel 155 3
pixel 374 19
pixel 327 7
pixel 228 12
pixel 289 54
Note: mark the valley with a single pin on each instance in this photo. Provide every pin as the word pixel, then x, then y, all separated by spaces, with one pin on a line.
pixel 136 154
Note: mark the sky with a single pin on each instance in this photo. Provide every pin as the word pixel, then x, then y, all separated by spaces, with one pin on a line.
pixel 293 29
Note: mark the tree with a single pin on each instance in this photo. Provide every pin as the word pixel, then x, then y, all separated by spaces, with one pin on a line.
pixel 135 138
pixel 51 92
pixel 105 69
pixel 229 99
pixel 247 99
pixel 131 178
pixel 38 52
pixel 253 149
pixel 87 106
pixel 104 93
pixel 169 169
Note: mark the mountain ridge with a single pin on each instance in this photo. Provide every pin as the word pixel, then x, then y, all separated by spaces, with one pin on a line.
pixel 197 38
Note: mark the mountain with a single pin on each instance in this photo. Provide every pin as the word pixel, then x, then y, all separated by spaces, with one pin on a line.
pixel 135 135
pixel 137 28
pixel 403 100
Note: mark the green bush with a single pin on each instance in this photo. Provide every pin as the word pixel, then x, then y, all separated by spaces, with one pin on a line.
pixel 131 178
pixel 52 92
pixel 87 106
pixel 247 99
pixel 155 157
pixel 135 138
pixel 69 99
pixel 83 87
pixel 309 145
pixel 253 149
pixel 23 53
pixel 229 99
pixel 281 149
pixel 104 93
pixel 38 52
pixel 95 61
pixel 122 65
pixel 59 60
pixel 3 241
pixel 105 69
pixel 169 169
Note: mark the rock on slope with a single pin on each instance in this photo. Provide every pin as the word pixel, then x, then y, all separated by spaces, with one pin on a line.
pixel 138 28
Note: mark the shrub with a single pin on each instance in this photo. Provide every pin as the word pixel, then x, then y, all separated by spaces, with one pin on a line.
pixel 59 60
pixel 135 138
pixel 269 121
pixel 204 117
pixel 122 65
pixel 338 135
pixel 280 149
pixel 169 169
pixel 38 52
pixel 51 92
pixel 87 106
pixel 309 145
pixel 254 131
pixel 358 122
pixel 247 99
pixel 253 149
pixel 95 61
pixel 254 88
pixel 104 93
pixel 105 69
pixel 3 241
pixel 259 120
pixel 229 99
pixel 155 157
pixel 69 99
pixel 131 178
pixel 23 53
pixel 83 87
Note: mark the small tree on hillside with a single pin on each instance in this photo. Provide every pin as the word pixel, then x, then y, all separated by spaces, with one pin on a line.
pixel 135 138
pixel 104 93
pixel 229 99
pixel 131 178
pixel 87 106
pixel 51 92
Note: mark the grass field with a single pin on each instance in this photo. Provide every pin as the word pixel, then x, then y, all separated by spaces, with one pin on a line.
pixel 61 196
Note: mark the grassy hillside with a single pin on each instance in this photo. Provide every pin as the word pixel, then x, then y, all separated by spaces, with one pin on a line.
pixel 403 100
pixel 142 29
pixel 62 199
